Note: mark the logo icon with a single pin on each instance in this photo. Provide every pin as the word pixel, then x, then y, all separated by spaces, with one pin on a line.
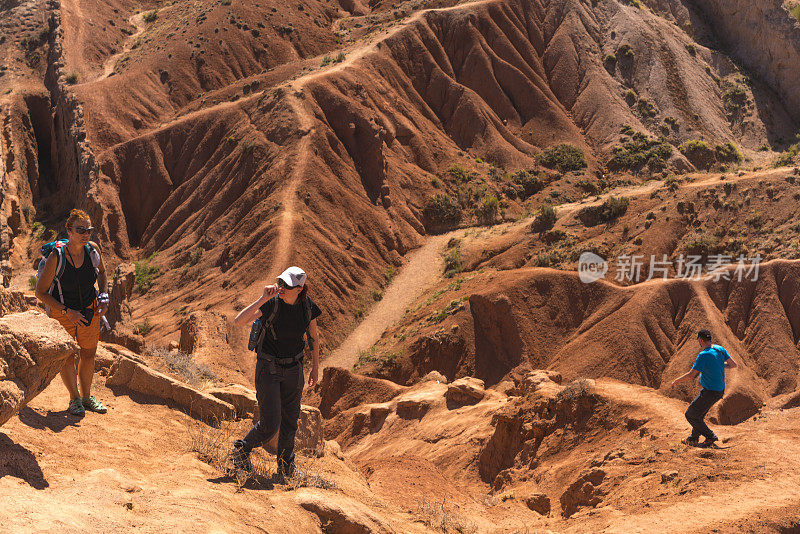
pixel 591 267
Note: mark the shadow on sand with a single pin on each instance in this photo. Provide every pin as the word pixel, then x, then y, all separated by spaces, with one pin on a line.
pixel 17 461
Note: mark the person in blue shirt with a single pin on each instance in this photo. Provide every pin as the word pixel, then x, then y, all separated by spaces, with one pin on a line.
pixel 710 365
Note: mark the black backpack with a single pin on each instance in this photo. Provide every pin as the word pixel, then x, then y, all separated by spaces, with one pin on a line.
pixel 262 324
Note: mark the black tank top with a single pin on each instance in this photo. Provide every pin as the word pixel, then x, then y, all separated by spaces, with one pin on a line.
pixel 77 285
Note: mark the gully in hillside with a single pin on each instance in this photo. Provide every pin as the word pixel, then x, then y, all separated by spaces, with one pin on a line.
pixel 281 317
pixel 66 286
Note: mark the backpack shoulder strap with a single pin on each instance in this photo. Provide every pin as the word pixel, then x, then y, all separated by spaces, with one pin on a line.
pixel 94 254
pixel 269 321
pixel 61 262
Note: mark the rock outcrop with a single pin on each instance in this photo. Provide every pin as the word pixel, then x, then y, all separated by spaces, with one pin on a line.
pixel 466 390
pixel 141 379
pixel 11 301
pixel 203 329
pixel 33 349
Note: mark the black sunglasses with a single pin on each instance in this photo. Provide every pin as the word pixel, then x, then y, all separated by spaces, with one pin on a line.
pixel 82 229
pixel 282 284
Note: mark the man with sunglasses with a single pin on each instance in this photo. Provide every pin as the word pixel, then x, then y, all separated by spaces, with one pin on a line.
pixel 710 365
pixel 287 314
pixel 79 308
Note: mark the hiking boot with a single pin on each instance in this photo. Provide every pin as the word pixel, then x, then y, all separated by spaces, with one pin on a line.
pixel 241 457
pixel 93 405
pixel 692 442
pixel 710 442
pixel 76 407
pixel 288 471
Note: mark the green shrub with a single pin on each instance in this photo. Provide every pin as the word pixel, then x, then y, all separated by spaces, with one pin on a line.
pixel 610 210
pixel 486 212
pixel 795 11
pixel 32 283
pixel 734 98
pixel 691 49
pixel 630 96
pixel 787 158
pixel 545 218
pixel 459 173
pixel 610 58
pixel 389 273
pixel 625 51
pixel 452 262
pixel 37 230
pixel 145 274
pixel 150 16
pixel 646 108
pixel 703 245
pixel 638 151
pixel 698 152
pixel 72 78
pixel 143 328
pixel 728 153
pixel 563 157
pixel 527 183
pixel 192 257
pixel 442 210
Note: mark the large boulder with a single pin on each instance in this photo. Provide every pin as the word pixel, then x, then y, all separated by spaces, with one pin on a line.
pixel 137 377
pixel 467 390
pixel 33 349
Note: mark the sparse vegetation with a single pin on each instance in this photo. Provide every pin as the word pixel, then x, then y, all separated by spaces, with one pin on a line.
pixel 150 16
pixel 146 273
pixel 728 153
pixel 452 259
pixel 486 212
pixel 527 183
pixel 610 59
pixel 72 78
pixel 692 49
pixel 545 218
pixel 563 157
pixel 640 150
pixel 646 107
pixel 443 211
pixel 32 283
pixel 450 309
pixel 698 152
pixel 625 51
pixel 371 355
pixel 610 210
pixel 389 273
pixel 440 517
pixel 143 328
pixel 787 158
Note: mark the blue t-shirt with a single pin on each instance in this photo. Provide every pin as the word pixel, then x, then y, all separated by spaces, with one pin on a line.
pixel 711 364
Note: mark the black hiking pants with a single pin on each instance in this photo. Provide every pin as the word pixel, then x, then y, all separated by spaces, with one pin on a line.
pixel 278 396
pixel 696 413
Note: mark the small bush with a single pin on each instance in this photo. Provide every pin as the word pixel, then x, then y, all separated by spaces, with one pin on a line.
pixel 459 173
pixel 150 16
pixel 610 58
pixel 610 210
pixel 72 78
pixel 439 517
pixel 698 152
pixel 625 51
pixel 371 355
pixel 787 158
pixel 646 108
pixel 145 274
pixel 545 218
pixel 563 157
pixel 37 230
pixel 486 212
pixel 192 257
pixel 728 153
pixel 389 273
pixel 442 210
pixel 527 183
pixel 795 11
pixel 32 283
pixel 143 328
pixel 630 96
pixel 638 151
pixel 691 49
pixel 452 261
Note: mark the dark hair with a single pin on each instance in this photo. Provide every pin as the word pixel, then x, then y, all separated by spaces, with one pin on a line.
pixel 704 335
pixel 302 295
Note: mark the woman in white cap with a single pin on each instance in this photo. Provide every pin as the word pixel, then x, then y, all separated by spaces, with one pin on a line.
pixel 287 313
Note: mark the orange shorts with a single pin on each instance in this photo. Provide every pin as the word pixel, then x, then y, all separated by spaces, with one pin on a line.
pixel 86 336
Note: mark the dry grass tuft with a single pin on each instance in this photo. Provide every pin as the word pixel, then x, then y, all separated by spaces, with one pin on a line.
pixel 440 517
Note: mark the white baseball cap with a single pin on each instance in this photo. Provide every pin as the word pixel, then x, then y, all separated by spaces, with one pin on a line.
pixel 293 277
